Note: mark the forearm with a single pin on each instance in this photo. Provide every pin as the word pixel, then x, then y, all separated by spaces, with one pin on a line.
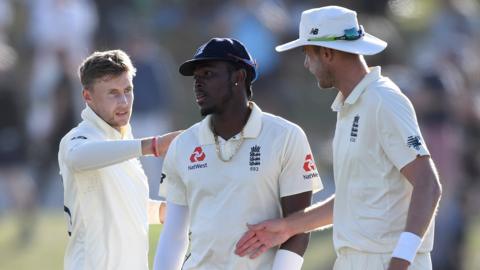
pixel 99 154
pixel 315 217
pixel 423 205
pixel 425 197
pixel 426 193
pixel 173 241
pixel 297 243
pixel 170 252
pixel 290 254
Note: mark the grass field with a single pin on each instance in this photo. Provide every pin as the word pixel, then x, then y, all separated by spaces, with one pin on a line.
pixel 47 247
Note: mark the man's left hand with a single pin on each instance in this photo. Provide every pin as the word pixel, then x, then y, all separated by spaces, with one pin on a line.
pixel 398 264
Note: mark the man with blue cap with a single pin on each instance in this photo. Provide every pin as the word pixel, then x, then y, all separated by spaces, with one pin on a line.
pixel 387 187
pixel 238 165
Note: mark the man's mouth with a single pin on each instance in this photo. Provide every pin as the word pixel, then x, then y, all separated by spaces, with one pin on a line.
pixel 122 114
pixel 200 97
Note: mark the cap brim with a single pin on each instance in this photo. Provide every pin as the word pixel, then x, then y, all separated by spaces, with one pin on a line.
pixel 367 45
pixel 187 68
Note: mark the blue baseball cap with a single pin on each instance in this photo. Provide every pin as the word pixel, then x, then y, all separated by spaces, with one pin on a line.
pixel 221 49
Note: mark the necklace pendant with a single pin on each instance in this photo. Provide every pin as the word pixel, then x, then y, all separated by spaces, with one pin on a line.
pixel 229 154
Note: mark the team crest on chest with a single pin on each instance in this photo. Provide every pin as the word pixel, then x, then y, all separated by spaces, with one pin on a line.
pixel 196 158
pixel 254 161
pixel 354 131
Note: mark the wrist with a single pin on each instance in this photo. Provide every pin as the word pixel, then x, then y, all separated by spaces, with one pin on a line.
pixel 407 246
pixel 397 263
pixel 290 229
pixel 155 146
pixel 146 145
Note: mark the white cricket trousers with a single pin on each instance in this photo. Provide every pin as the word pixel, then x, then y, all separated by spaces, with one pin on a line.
pixel 351 259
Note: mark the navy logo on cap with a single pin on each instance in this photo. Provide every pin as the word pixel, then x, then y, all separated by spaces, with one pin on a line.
pixel 221 49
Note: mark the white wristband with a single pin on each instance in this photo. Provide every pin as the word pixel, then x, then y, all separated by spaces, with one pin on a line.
pixel 287 260
pixel 407 246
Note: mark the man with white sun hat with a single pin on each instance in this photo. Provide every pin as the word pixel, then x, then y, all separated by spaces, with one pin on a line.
pixel 387 187
pixel 336 28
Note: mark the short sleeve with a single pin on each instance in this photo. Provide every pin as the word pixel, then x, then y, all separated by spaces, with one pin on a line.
pixel 399 132
pixel 299 172
pixel 171 186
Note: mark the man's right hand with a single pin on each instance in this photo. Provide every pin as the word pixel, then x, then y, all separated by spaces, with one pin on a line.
pixel 263 236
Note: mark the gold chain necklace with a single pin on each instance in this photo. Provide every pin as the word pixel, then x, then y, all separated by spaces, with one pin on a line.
pixel 237 146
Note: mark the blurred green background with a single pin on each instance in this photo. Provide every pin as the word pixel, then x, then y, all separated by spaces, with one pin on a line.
pixel 46 251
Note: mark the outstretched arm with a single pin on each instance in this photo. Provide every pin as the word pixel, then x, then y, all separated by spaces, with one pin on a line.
pixel 83 154
pixel 173 241
pixel 265 235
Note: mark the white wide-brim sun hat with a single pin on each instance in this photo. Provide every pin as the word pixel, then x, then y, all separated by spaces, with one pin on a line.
pixel 336 28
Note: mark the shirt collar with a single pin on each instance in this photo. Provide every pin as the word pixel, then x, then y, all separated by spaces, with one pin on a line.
pixel 373 75
pixel 250 130
pixel 88 115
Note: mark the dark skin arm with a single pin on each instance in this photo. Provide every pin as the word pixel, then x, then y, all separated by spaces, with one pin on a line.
pixel 256 242
pixel 291 204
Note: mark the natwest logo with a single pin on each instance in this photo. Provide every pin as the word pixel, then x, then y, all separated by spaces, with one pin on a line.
pixel 309 165
pixel 197 155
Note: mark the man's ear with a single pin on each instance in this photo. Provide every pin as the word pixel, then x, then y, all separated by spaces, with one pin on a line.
pixel 327 54
pixel 240 76
pixel 87 95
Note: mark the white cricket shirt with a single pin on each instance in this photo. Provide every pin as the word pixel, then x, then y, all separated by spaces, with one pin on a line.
pixel 273 161
pixel 105 197
pixel 376 135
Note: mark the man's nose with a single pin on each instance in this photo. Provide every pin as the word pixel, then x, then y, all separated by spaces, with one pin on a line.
pixel 124 99
pixel 197 82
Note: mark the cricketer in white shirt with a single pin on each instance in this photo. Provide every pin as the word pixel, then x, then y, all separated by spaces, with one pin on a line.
pixel 105 197
pixel 377 134
pixel 273 161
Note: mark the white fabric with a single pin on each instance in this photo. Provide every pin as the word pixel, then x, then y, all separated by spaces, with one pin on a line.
pixel 154 211
pixel 224 196
pixel 86 155
pixel 106 208
pixel 287 260
pixel 407 246
pixel 332 21
pixel 173 242
pixel 376 135
pixel 350 259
